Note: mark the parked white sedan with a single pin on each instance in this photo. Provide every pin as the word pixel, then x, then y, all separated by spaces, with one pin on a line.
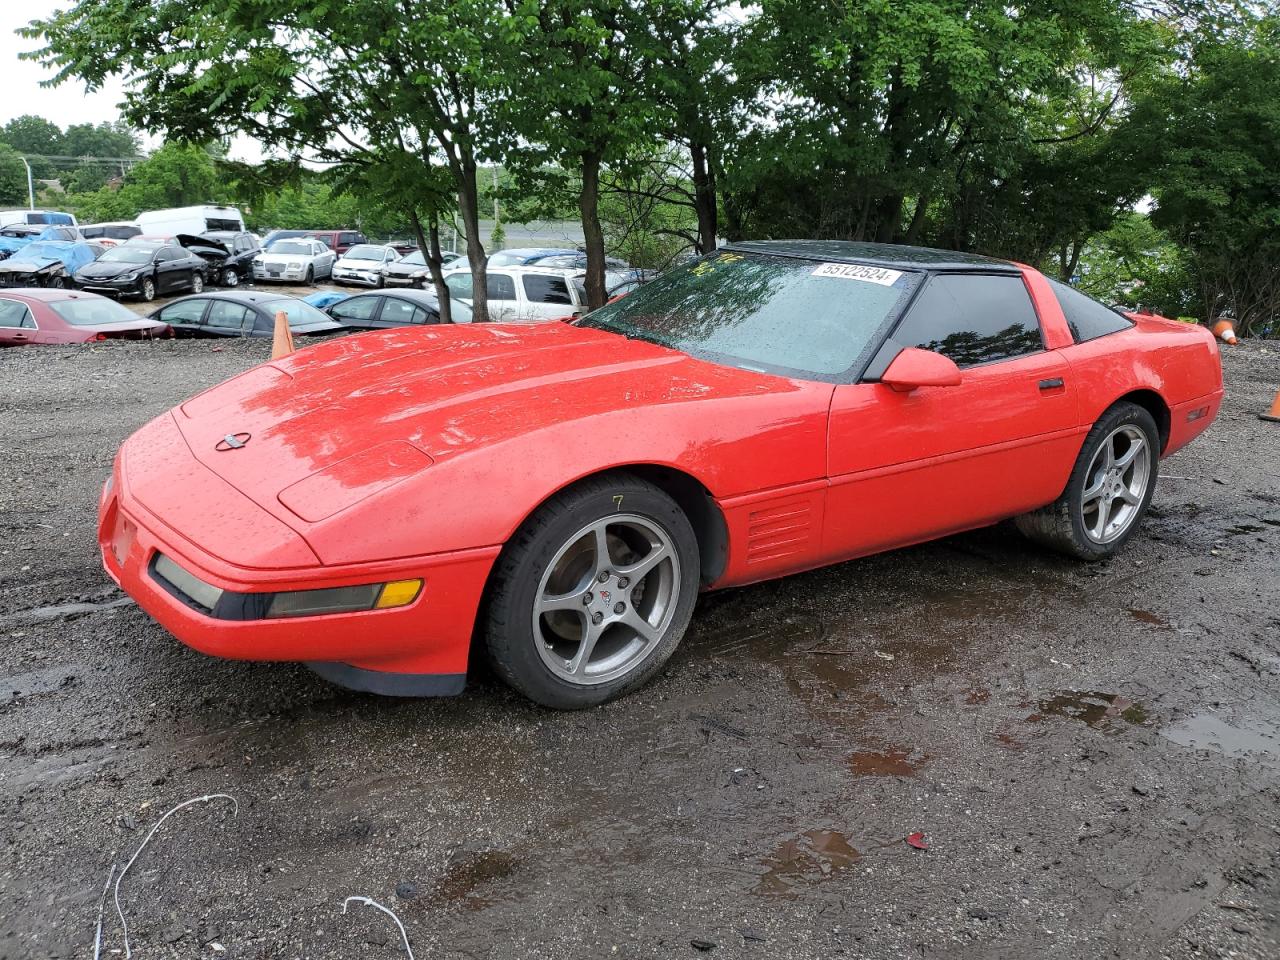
pixel 364 264
pixel 525 294
pixel 298 259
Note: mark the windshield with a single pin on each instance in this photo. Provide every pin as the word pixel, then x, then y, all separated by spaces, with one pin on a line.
pixel 415 259
pixel 92 313
pixel 297 311
pixel 128 253
pixel 785 315
pixel 290 246
pixel 364 251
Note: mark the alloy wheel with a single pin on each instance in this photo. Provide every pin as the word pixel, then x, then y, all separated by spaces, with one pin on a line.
pixel 606 599
pixel 1117 481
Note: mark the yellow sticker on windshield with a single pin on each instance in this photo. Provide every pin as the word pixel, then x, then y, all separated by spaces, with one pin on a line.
pixel 858 271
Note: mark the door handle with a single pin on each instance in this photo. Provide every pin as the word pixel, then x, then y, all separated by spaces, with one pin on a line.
pixel 1051 384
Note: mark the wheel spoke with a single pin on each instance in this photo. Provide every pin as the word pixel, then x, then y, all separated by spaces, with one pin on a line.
pixel 1129 497
pixel 647 631
pixel 1100 524
pixel 646 563
pixel 600 535
pixel 1108 454
pixel 573 600
pixel 1136 446
pixel 1094 490
pixel 580 659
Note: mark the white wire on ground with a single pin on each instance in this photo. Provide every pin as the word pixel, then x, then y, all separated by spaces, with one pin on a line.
pixel 390 913
pixel 102 908
pixel 124 924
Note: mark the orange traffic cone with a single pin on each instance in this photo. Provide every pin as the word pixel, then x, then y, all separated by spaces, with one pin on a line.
pixel 282 341
pixel 1224 331
pixel 1274 413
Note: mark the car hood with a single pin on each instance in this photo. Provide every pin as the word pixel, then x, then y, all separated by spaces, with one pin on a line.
pixel 329 420
pixel 203 247
pixel 109 270
pixel 406 268
pixel 284 258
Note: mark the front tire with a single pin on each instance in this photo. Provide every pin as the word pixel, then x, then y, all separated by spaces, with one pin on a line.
pixel 1109 489
pixel 148 289
pixel 197 283
pixel 311 276
pixel 593 594
pixel 230 278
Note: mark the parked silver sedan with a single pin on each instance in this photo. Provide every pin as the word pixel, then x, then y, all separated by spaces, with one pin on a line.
pixel 297 259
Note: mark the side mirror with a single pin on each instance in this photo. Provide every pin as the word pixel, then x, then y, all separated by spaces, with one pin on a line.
pixel 914 368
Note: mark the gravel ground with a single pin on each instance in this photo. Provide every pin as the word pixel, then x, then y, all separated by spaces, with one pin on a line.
pixel 1092 752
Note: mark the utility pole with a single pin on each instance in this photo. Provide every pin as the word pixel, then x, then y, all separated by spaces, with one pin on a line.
pixel 31 190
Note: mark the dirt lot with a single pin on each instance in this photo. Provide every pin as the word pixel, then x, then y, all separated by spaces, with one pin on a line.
pixel 1092 752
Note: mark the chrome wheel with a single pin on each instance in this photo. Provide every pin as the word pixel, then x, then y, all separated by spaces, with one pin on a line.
pixel 1116 484
pixel 606 599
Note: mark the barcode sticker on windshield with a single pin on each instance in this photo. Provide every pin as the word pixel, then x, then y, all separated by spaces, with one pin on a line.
pixel 857 271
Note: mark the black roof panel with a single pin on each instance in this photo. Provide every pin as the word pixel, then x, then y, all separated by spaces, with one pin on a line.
pixel 887 254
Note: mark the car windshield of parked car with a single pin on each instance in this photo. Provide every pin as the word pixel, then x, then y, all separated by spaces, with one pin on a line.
pixel 291 246
pixel 415 259
pixel 93 312
pixel 784 315
pixel 297 311
pixel 364 251
pixel 128 253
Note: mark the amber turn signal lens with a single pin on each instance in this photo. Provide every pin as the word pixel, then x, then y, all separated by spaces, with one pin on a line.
pixel 398 593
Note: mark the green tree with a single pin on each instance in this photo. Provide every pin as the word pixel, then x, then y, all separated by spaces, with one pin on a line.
pixel 13 177
pixel 36 138
pixel 101 140
pixel 1213 131
pixel 376 83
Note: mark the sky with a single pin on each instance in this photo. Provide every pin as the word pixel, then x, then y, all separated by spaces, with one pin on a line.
pixel 70 102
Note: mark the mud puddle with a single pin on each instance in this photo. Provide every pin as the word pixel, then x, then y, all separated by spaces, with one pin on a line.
pixel 1090 707
pixel 1241 737
pixel 808 859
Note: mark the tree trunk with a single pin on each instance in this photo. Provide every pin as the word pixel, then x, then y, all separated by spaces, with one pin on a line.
pixel 593 235
pixel 704 198
pixel 469 210
pixel 431 252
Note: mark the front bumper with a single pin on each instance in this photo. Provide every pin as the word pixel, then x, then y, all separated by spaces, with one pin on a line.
pixel 113 287
pixel 281 274
pixel 363 278
pixel 391 280
pixel 415 650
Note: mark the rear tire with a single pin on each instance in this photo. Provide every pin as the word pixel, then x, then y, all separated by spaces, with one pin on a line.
pixel 570 628
pixel 230 278
pixel 197 283
pixel 1109 489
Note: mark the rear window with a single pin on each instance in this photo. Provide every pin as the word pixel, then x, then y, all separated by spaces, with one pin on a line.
pixel 1087 318
pixel 91 313
pixel 540 288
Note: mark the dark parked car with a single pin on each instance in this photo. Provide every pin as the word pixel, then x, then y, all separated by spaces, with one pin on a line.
pixel 229 254
pixel 143 269
pixel 395 308
pixel 239 313
pixel 339 241
pixel 411 270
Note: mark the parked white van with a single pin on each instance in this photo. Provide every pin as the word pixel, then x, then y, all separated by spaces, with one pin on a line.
pixel 55 218
pixel 192 220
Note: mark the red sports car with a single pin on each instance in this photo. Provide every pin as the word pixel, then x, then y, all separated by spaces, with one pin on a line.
pixel 561 492
pixel 64 316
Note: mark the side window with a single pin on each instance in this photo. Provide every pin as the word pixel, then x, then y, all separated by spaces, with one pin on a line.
pixel 229 316
pixel 973 319
pixel 1087 318
pixel 459 284
pixel 186 312
pixel 167 253
pixel 401 311
pixel 14 314
pixel 500 286
pixel 540 288
pixel 357 308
